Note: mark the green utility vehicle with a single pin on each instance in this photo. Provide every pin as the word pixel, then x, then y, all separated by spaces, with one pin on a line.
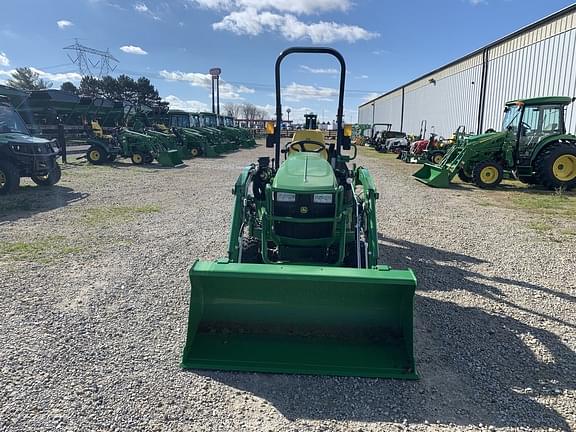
pixel 301 290
pixel 22 155
pixel 533 147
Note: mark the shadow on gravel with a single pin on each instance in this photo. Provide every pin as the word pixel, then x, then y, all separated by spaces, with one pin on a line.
pixel 475 367
pixel 30 200
pixel 151 166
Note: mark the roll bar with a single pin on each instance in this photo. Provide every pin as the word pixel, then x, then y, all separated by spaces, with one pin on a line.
pixel 339 113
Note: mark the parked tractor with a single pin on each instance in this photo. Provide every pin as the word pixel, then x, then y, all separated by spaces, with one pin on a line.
pixel 533 147
pixel 23 155
pixel 301 290
pixel 197 143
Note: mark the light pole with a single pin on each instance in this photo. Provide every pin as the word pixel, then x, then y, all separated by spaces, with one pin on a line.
pixel 215 73
pixel 288 111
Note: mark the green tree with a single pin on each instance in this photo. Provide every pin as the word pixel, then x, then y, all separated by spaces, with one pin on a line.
pixel 90 86
pixel 24 78
pixel 69 87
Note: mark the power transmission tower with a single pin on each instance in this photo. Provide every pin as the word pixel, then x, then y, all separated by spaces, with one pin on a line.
pixel 90 60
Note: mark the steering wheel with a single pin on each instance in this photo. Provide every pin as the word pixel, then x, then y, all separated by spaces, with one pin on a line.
pixel 526 126
pixel 299 146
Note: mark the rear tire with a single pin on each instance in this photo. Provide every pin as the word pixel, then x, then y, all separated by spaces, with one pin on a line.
pixel 9 178
pixel 96 155
pixel 251 250
pixel 194 152
pixel 49 179
pixel 148 158
pixel 556 166
pixel 487 174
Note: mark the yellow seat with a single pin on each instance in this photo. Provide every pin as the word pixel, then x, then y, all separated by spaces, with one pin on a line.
pixel 309 135
pixel 98 131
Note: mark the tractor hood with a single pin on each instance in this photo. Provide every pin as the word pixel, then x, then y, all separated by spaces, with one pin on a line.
pixel 305 172
pixel 486 137
pixel 20 138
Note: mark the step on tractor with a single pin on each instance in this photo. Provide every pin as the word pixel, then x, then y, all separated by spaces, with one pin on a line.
pixel 532 147
pixel 23 155
pixel 301 290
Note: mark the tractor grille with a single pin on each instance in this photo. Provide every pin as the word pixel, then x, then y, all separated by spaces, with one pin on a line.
pixel 303 208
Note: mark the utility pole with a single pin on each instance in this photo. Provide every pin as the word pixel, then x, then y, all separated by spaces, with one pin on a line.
pixel 215 73
pixel 88 59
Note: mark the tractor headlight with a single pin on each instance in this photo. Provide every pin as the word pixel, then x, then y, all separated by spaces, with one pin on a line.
pixel 285 197
pixel 323 198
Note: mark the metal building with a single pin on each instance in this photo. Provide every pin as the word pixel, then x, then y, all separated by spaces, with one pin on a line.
pixel 537 60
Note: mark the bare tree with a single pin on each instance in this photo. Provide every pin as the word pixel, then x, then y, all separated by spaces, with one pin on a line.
pixel 249 112
pixel 232 109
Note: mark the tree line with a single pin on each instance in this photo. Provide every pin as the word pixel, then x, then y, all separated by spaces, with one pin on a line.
pixel 246 111
pixel 122 88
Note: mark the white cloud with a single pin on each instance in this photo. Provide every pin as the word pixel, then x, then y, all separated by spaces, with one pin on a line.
pixel 380 52
pixel 186 105
pixel 362 77
pixel 299 7
pixel 197 79
pixel 55 77
pixel 131 49
pixel 142 8
pixel 4 60
pixel 62 24
pixel 253 17
pixel 476 2
pixel 297 92
pixel 251 22
pixel 330 71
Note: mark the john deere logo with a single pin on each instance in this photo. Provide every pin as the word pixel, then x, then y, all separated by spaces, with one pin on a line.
pixel 303 209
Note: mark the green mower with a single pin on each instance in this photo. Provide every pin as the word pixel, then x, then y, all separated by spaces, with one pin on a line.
pixel 301 290
pixel 532 147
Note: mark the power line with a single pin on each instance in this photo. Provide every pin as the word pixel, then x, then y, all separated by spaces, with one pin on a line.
pixel 90 59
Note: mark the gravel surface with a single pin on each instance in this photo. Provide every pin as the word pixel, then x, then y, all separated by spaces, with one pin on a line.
pixel 95 294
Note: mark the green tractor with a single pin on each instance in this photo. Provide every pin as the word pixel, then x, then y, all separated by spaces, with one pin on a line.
pixel 184 126
pixel 532 147
pixel 23 155
pixel 208 124
pixel 301 290
pixel 242 136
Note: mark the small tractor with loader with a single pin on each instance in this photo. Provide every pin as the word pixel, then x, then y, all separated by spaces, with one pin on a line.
pixel 23 155
pixel 301 290
pixel 532 147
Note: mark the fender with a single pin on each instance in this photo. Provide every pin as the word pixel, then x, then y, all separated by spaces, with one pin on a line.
pixel 548 140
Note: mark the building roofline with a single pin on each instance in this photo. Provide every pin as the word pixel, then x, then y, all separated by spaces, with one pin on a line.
pixel 499 41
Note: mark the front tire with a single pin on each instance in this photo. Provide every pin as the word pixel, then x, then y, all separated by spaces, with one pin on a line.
pixel 556 166
pixel 49 179
pixel 137 158
pixel 96 155
pixel 487 174
pixel 436 157
pixel 251 250
pixel 462 175
pixel 9 178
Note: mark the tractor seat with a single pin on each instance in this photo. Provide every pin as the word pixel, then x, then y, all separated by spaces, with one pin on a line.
pixel 98 131
pixel 308 135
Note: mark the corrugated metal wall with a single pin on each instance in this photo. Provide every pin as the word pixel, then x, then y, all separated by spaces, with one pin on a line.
pixel 540 61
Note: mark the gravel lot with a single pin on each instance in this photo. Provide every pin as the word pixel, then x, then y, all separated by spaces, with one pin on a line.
pixel 95 295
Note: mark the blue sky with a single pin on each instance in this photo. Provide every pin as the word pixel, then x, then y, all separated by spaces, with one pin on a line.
pixel 176 42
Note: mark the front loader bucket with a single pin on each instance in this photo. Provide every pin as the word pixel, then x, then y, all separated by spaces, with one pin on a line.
pixel 433 175
pixel 169 158
pixel 301 319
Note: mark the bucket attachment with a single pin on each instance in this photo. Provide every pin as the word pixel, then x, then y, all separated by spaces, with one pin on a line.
pixel 301 319
pixel 433 175
pixel 169 158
